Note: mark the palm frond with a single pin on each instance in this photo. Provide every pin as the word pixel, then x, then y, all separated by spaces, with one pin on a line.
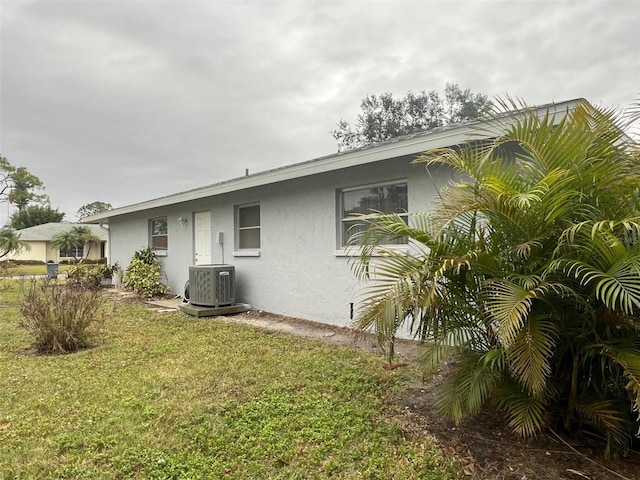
pixel 10 241
pixel 626 353
pixel 469 386
pixel 527 268
pixel 509 306
pixel 527 414
pixel 386 304
pixel 529 356
pixel 605 416
pixel 612 273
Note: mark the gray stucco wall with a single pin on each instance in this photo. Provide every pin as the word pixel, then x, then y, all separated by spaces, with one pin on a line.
pixel 298 272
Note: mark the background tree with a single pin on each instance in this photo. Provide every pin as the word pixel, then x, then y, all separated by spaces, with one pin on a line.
pixel 35 215
pixel 528 270
pixel 5 178
pixel 24 189
pixel 10 241
pixel 384 117
pixel 92 209
pixel 20 188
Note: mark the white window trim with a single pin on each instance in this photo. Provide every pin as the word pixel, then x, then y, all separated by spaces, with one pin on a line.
pixel 345 251
pixel 74 250
pixel 159 251
pixel 246 252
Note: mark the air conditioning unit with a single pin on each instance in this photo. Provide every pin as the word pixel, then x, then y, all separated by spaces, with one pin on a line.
pixel 212 285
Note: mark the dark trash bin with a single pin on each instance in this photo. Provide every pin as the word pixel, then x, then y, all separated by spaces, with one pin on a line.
pixel 52 270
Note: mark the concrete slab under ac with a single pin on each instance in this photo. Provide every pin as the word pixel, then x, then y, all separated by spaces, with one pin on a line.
pixel 200 311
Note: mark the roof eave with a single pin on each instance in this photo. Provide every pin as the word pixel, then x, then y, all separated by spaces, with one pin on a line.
pixel 298 170
pixel 411 145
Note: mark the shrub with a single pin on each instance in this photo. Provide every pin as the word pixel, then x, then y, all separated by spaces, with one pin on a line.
pixel 61 318
pixel 13 263
pixel 143 274
pixel 83 275
pixel 146 255
pixel 528 268
pixel 5 270
pixel 90 275
pixel 73 261
pixel 7 265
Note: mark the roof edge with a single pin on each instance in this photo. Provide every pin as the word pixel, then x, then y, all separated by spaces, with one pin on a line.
pixel 401 146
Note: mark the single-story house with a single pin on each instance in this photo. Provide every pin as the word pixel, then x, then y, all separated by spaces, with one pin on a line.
pixel 285 230
pixel 38 238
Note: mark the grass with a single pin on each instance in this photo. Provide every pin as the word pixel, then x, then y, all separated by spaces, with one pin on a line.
pixel 166 396
pixel 20 270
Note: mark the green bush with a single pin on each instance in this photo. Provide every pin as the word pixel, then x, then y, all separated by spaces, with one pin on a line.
pixel 5 268
pixel 90 275
pixel 13 263
pixel 143 274
pixel 73 261
pixel 61 318
pixel 528 268
pixel 84 275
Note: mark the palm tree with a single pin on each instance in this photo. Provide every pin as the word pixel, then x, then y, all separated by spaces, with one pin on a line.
pixel 68 241
pixel 10 241
pixel 528 270
pixel 76 238
pixel 86 237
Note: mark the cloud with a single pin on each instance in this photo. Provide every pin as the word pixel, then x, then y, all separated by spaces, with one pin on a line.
pixel 122 101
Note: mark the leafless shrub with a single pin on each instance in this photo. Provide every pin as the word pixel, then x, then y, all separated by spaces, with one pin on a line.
pixel 61 318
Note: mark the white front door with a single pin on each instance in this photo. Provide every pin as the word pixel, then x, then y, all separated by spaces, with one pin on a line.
pixel 202 235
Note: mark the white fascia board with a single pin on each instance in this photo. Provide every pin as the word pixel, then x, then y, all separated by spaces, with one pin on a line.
pixel 400 148
pixel 412 145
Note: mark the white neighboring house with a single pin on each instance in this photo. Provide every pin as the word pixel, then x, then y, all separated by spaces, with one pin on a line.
pixel 39 240
pixel 284 230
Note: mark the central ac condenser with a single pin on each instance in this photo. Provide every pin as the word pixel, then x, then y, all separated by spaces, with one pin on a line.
pixel 212 285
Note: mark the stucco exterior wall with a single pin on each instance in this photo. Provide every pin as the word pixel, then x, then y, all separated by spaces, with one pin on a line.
pixel 94 253
pixel 43 251
pixel 53 253
pixel 37 251
pixel 300 271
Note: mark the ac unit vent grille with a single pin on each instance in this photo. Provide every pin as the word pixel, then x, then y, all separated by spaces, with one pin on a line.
pixel 212 285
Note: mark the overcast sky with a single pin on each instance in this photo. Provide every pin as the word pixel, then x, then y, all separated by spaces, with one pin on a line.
pixel 123 101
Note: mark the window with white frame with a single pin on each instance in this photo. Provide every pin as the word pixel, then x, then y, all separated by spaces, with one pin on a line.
pixel 248 227
pixel 384 197
pixel 158 237
pixel 72 252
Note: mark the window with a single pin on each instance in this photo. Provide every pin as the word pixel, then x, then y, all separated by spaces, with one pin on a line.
pixel 158 233
pixel 248 227
pixel 72 252
pixel 385 198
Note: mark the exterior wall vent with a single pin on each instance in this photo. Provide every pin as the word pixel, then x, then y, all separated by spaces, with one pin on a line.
pixel 212 285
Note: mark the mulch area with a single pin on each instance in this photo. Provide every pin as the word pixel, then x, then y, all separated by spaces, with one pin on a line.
pixel 488 450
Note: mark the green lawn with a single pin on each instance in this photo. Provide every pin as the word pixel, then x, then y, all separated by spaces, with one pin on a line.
pixel 166 396
pixel 19 270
